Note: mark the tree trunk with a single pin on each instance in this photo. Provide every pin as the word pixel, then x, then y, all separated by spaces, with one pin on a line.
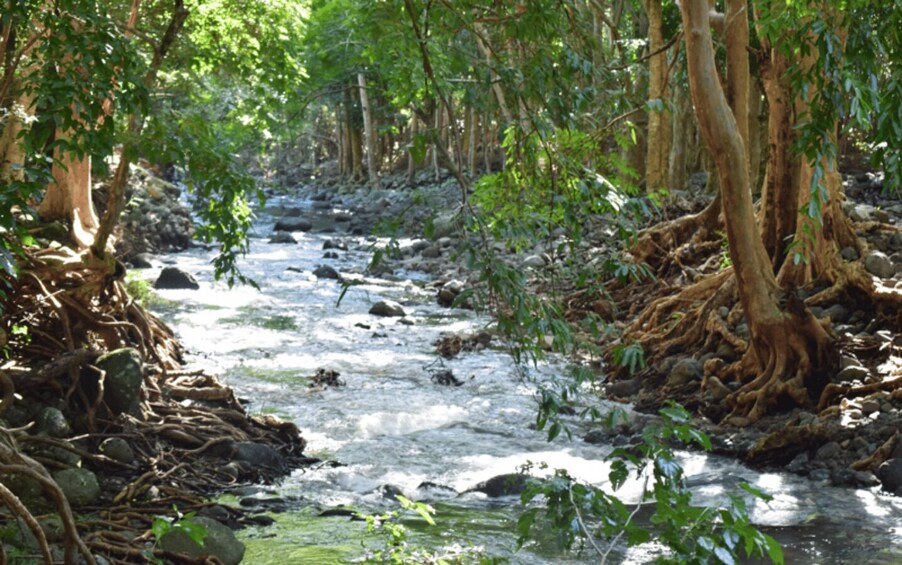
pixel 788 345
pixel 471 141
pixel 683 146
pixel 659 131
pixel 411 162
pixel 439 112
pixel 368 132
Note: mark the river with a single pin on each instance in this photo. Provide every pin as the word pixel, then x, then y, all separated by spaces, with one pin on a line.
pixel 392 427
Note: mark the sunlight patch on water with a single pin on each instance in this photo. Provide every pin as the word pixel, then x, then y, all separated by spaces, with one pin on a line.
pixel 398 423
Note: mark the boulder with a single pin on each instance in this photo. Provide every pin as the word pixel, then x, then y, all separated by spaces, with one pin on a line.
pixel 326 272
pixel 449 291
pixel 142 261
pixel 335 244
pixel 330 255
pixel 282 237
pixel 624 388
pixel 509 484
pixel 388 308
pixel 879 265
pixel 51 421
pixel 293 224
pixel 219 541
pixel 849 254
pixel 890 475
pixel 447 224
pixel 685 371
pixel 175 278
pixel 79 485
pixel 118 449
pixel 852 373
pixel 124 380
pixel 258 454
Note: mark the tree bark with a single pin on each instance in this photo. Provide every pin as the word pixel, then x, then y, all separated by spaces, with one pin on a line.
pixel 788 345
pixel 659 129
pixel 368 131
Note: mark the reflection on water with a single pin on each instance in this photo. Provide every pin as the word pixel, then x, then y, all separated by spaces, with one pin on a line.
pixel 391 425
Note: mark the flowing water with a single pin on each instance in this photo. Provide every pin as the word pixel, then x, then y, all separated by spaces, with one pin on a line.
pixel 392 426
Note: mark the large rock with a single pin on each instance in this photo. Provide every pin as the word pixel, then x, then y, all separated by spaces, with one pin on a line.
pixel 502 485
pixel 219 541
pixel 79 485
pixel 890 475
pixel 52 422
pixel 124 380
pixel 685 371
pixel 175 278
pixel 388 308
pixel 118 449
pixel 879 265
pixel 293 224
pixel 282 237
pixel 449 292
pixel 326 272
pixel 447 224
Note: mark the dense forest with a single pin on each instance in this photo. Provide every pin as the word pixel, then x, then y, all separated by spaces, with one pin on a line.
pixel 692 202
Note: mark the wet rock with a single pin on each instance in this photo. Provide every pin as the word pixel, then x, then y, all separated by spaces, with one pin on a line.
pixel 282 237
pixel 142 261
pixel 335 244
pixel 430 490
pixel 118 449
pixel 52 422
pixel 449 292
pixel 879 265
pixel 326 377
pixel 625 388
pixel 890 475
pixel 292 224
pixel 685 371
pixel 819 475
pixel 508 484
pixel 79 485
pixel 445 377
pixel 258 454
pixel 330 255
pixel 175 278
pixel 326 272
pixel 387 308
pixel 124 380
pixel 219 542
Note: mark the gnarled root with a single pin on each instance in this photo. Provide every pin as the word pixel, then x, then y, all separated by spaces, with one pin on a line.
pixel 657 242
pixel 787 354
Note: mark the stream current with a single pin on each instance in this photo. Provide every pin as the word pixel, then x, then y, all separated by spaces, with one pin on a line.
pixel 392 427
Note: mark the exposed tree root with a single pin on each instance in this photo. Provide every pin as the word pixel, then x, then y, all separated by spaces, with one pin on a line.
pixel 656 244
pixel 184 440
pixel 796 349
